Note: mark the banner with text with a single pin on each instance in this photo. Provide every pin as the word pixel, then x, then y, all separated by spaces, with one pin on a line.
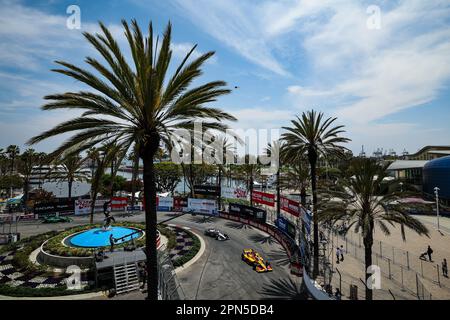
pixel 290 206
pixel 204 206
pixel 263 198
pixel 83 206
pixel 119 203
pixel 164 203
pixel 233 193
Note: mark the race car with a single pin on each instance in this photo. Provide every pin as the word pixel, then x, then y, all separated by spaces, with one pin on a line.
pixel 254 259
pixel 216 233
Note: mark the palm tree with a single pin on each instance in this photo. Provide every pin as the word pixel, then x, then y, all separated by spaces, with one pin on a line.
pixel 13 152
pixel 27 161
pixel 69 168
pixel 365 200
pixel 134 157
pixel 100 159
pixel 313 136
pixel 136 103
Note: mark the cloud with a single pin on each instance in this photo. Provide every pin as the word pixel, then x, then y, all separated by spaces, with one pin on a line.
pixel 230 22
pixel 366 75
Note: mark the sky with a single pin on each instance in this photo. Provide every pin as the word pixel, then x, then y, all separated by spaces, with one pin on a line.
pixel 381 67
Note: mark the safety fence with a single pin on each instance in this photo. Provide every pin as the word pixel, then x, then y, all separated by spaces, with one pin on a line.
pixel 168 285
pixel 401 266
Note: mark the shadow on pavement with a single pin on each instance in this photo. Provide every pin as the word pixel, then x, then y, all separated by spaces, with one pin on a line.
pixel 262 239
pixel 279 258
pixel 236 225
pixel 283 289
pixel 202 219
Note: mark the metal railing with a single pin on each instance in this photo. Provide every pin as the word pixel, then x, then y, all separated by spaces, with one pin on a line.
pixel 169 287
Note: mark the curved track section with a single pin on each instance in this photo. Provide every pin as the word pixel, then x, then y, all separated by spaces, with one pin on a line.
pixel 220 274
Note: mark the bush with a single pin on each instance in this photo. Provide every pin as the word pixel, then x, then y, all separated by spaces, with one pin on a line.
pixel 41 292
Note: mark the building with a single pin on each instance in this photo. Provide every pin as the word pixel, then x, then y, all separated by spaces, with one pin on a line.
pixel 429 153
pixel 409 171
pixel 436 173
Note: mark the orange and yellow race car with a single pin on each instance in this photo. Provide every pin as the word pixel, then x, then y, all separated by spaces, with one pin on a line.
pixel 254 259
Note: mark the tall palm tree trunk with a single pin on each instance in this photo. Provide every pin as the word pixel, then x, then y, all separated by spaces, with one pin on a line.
pixel 70 189
pixel 148 155
pixel 220 187
pixel 278 193
pixel 312 155
pixel 133 178
pixel 368 242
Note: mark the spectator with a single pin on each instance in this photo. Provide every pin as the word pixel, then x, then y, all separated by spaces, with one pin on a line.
pixel 429 252
pixel 338 254
pixel 445 268
pixel 111 242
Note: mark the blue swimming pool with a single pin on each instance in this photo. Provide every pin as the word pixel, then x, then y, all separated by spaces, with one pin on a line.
pixel 98 237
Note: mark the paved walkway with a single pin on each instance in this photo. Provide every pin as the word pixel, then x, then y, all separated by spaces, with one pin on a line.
pixel 399 260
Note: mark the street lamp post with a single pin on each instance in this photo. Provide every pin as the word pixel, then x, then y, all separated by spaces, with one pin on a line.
pixel 436 192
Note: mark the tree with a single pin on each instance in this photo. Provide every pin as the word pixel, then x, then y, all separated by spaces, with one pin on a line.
pixel 28 160
pixel 100 159
pixel 117 182
pixel 167 176
pixel 69 168
pixel 365 201
pixel 13 152
pixel 313 136
pixel 136 103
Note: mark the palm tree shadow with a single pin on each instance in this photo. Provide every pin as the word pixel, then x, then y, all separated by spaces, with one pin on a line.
pixel 237 225
pixel 279 257
pixel 203 219
pixel 283 289
pixel 262 239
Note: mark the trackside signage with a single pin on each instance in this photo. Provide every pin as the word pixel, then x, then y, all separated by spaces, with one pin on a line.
pixel 119 203
pixel 204 206
pixel 263 198
pixel 233 193
pixel 290 206
pixel 164 203
pixel 247 212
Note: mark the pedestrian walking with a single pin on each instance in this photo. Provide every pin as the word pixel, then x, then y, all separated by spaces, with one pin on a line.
pixel 342 253
pixel 338 254
pixel 429 253
pixel 444 268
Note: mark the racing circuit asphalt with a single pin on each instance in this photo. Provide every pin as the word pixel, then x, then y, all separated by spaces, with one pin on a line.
pixel 220 274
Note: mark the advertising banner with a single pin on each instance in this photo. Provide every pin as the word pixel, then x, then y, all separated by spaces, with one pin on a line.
pixel 204 206
pixel 213 191
pixel 233 193
pixel 83 206
pixel 119 203
pixel 247 212
pixel 164 203
pixel 263 198
pixel 179 203
pixel 290 206
pixel 286 226
pixel 60 206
